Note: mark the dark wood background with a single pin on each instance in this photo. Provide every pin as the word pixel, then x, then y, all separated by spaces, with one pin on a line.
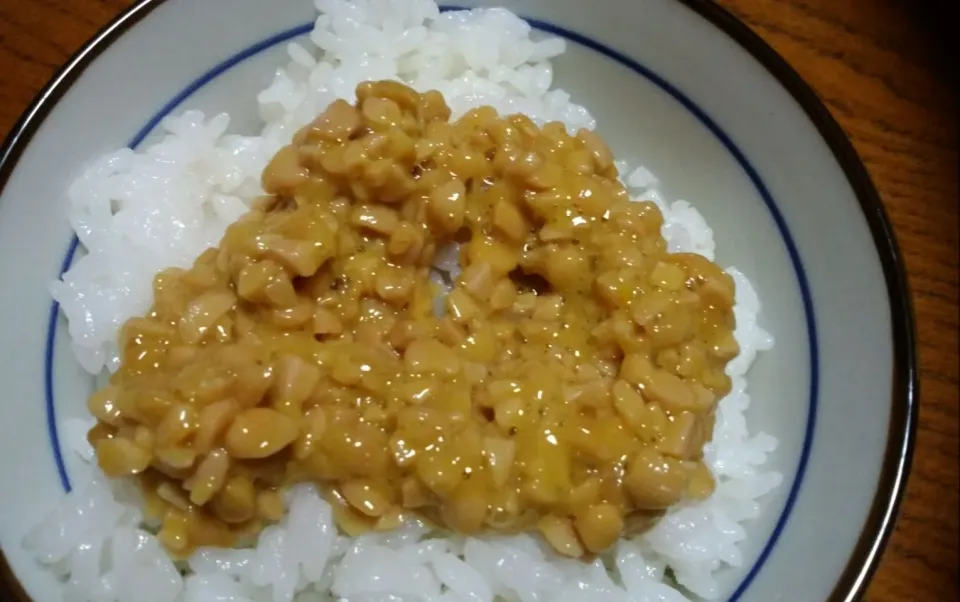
pixel 885 70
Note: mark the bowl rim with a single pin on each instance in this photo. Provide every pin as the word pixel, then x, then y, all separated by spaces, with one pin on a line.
pixel 891 486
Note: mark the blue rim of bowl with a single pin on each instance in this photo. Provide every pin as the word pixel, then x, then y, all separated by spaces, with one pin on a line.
pixel 697 112
pixel 900 441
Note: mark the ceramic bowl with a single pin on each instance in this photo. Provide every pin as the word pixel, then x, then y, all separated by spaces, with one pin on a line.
pixel 714 112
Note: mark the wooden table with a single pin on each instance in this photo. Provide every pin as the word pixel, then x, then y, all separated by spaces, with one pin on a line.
pixel 884 70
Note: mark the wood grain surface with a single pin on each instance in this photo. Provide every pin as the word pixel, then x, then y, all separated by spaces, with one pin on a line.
pixel 886 69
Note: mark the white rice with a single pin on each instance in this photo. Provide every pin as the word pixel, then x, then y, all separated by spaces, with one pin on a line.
pixel 138 212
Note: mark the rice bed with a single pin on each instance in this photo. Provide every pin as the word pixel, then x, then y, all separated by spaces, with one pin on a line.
pixel 137 212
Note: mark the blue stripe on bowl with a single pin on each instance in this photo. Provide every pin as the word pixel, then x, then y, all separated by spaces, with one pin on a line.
pixel 596 46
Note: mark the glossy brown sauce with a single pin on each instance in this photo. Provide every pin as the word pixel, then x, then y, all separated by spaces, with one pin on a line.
pixel 568 386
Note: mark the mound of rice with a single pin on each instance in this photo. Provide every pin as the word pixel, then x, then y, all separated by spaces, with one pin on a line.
pixel 137 212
